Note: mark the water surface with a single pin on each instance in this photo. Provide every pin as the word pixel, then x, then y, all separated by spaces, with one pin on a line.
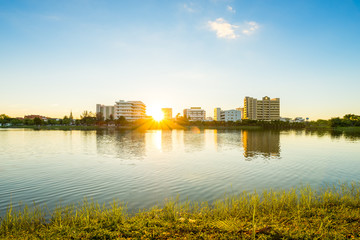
pixel 144 168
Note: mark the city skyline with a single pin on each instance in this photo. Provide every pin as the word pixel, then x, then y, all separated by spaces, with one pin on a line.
pixel 67 56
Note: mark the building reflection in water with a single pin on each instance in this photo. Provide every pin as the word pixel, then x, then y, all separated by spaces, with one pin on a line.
pixel 194 140
pixel 167 140
pixel 125 145
pixel 263 143
pixel 226 140
pixel 134 144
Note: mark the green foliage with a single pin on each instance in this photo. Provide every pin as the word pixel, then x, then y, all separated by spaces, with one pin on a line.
pixel 121 121
pixel 244 124
pixel 183 121
pixel 38 121
pixel 16 122
pixel 28 121
pixel 52 122
pixel 88 118
pixel 349 120
pixel 99 117
pixel 66 120
pixel 305 213
pixel 4 119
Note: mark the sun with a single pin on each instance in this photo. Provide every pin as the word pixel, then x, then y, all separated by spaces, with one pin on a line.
pixel 155 113
pixel 158 116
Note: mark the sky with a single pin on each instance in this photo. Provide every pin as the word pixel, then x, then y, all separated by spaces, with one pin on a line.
pixel 62 56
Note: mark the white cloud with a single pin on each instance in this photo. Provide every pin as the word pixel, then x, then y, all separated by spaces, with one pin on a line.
pixel 227 30
pixel 250 28
pixel 223 29
pixel 230 9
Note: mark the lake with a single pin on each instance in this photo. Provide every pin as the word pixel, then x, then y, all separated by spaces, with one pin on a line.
pixel 145 168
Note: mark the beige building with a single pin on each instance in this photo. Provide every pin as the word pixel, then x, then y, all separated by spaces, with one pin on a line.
pixel 167 113
pixel 265 109
pixel 195 114
pixel 250 106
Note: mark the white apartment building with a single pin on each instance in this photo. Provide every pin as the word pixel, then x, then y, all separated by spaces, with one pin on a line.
pixel 231 115
pixel 227 115
pixel 106 111
pixel 195 114
pixel 131 110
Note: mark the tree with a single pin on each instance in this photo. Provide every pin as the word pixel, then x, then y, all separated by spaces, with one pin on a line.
pixel 99 117
pixel 16 121
pixel 66 120
pixel 121 121
pixel 85 114
pixel 88 118
pixel 4 118
pixel 28 121
pixel 52 121
pixel 337 122
pixel 37 121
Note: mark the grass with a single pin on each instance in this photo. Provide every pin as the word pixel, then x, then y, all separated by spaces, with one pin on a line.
pixel 348 129
pixel 241 127
pixel 73 127
pixel 60 127
pixel 326 213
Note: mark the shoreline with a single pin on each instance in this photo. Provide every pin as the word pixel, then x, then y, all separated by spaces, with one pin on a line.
pixel 300 213
pixel 190 127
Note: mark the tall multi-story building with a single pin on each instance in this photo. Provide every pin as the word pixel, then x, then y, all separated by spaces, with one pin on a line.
pixel 131 110
pixel 241 110
pixel 105 111
pixel 195 114
pixel 250 106
pixel 217 114
pixel 167 113
pixel 268 109
pixel 227 115
pixel 265 109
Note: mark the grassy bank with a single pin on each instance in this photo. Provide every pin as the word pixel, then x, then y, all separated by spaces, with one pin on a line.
pixel 161 126
pixel 348 129
pixel 228 127
pixel 49 127
pixel 328 213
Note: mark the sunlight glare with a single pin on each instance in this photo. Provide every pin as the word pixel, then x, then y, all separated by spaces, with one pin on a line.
pixel 155 113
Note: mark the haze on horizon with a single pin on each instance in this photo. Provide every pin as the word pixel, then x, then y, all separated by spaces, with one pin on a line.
pixel 58 56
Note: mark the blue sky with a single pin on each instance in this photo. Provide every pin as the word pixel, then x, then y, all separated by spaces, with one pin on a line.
pixel 57 56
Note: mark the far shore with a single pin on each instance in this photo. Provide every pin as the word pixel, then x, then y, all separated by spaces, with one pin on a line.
pixel 188 127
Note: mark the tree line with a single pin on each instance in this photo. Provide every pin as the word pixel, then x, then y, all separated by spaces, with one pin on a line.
pixel 88 118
